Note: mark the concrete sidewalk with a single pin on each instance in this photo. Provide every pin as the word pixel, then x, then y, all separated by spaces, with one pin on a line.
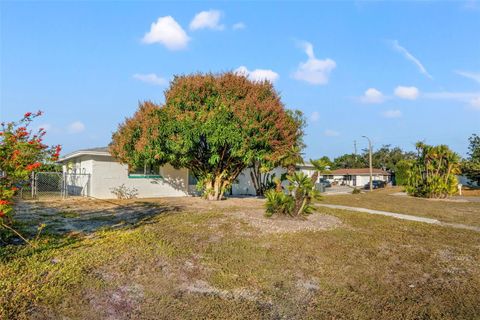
pixel 401 216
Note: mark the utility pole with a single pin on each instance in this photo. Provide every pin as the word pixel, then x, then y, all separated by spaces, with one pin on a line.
pixel 370 161
pixel 355 147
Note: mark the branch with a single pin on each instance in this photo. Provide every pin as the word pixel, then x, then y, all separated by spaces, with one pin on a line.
pixel 16 232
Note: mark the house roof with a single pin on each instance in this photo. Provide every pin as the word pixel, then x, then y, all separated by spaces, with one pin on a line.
pixel 100 151
pixel 357 172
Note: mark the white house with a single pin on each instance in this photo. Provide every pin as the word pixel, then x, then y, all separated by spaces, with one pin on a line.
pixel 95 173
pixel 355 177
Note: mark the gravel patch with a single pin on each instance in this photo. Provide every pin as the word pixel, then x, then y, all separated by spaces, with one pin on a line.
pixel 282 224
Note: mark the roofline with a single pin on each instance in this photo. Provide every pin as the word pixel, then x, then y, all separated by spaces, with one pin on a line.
pixel 354 174
pixel 80 153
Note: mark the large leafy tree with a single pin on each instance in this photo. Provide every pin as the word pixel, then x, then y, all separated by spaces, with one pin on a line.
pixel 213 124
pixel 433 174
pixel 387 157
pixel 260 169
pixel 350 161
pixel 471 166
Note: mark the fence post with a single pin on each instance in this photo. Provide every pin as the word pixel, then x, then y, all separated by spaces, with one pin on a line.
pixel 64 185
pixel 33 184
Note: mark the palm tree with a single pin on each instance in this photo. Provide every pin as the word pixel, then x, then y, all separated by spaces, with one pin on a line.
pixel 320 165
pixel 291 158
pixel 303 191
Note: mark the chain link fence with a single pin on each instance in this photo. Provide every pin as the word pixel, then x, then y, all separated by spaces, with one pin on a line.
pixel 56 185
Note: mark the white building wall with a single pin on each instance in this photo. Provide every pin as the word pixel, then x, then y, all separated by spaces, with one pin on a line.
pixel 361 180
pixel 107 174
pixel 244 184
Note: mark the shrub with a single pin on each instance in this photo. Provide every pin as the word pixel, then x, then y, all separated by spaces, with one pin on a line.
pixel 278 203
pixel 433 174
pixel 298 202
pixel 124 192
pixel 21 152
pixel 401 172
pixel 356 191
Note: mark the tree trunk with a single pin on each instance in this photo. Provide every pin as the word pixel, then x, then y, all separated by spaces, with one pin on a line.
pixel 314 178
pixel 215 188
pixel 291 169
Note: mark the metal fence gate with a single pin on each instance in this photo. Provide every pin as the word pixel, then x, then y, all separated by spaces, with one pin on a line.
pixel 56 185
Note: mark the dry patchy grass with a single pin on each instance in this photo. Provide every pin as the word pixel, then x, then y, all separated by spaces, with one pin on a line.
pixel 211 263
pixel 453 211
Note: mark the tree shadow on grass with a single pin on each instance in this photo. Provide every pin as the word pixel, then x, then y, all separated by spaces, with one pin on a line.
pixel 86 217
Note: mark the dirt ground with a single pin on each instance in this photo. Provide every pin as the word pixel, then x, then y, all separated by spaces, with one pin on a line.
pixel 187 258
pixel 84 215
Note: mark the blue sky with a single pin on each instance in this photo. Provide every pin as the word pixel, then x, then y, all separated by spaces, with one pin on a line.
pixel 397 72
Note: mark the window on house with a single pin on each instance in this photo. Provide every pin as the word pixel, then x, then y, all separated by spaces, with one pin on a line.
pixel 147 171
pixel 192 180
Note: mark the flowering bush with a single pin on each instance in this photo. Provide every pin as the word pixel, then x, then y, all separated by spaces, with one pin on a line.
pixel 21 152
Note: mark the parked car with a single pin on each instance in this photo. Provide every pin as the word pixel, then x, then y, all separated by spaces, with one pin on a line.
pixel 375 184
pixel 325 183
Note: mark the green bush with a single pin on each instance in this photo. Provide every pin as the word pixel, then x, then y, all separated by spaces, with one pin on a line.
pixel 433 174
pixel 278 203
pixel 299 200
pixel 356 191
pixel 401 172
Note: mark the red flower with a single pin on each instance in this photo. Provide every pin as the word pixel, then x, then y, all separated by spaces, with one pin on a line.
pixel 14 188
pixel 4 202
pixel 28 114
pixel 33 166
pixel 2 213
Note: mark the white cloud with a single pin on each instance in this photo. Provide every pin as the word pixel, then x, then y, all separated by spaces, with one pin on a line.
pixel 314 71
pixel 207 20
pixel 331 133
pixel 392 114
pixel 239 26
pixel 448 95
pixel 475 103
pixel 168 32
pixel 411 58
pixel 409 93
pixel 258 74
pixel 372 95
pixel 471 75
pixel 76 127
pixel 150 78
pixel 315 116
pixel 472 99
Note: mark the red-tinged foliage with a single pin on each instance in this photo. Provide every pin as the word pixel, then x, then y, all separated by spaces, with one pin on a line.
pixel 21 152
pixel 214 125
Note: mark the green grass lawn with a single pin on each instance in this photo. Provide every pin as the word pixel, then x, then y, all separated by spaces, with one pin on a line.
pixel 204 264
pixel 447 211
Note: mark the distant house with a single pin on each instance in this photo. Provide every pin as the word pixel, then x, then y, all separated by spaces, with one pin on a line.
pixel 355 177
